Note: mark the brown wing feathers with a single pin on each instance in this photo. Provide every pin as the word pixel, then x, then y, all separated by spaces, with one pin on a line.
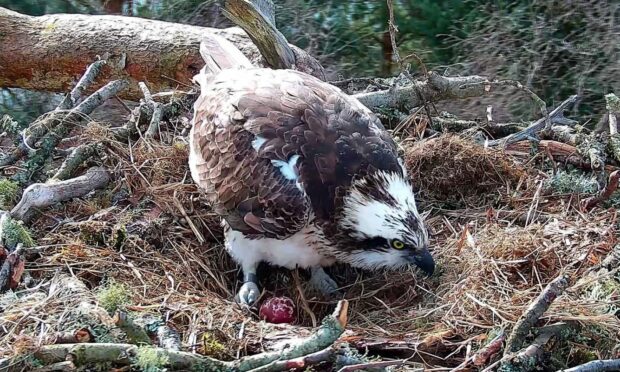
pixel 288 114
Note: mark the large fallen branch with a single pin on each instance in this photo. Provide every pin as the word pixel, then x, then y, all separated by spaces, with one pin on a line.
pixel 51 52
pixel 83 354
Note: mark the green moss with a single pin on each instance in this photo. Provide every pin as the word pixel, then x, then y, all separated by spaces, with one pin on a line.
pixel 150 359
pixel 114 296
pixel 8 193
pixel 119 236
pixel 14 233
pixel 211 346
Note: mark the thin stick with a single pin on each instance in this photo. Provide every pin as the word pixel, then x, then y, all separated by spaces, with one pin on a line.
pixel 536 309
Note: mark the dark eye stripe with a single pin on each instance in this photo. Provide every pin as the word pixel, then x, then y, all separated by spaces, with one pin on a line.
pixel 372 243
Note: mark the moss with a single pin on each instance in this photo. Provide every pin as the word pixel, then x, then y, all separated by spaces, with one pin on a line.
pixel 211 346
pixel 8 193
pixel 113 296
pixel 150 359
pixel 119 235
pixel 14 233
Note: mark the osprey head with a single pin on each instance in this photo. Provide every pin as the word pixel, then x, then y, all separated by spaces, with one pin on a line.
pixel 380 217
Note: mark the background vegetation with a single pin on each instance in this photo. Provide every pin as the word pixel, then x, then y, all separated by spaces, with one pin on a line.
pixel 557 48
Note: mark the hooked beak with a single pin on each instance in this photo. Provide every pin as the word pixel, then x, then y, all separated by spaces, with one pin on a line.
pixel 424 261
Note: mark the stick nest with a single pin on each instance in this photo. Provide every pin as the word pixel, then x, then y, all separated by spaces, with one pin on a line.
pixel 152 232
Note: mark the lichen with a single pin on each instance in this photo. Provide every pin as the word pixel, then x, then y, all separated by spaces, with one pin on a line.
pixel 14 232
pixel 150 359
pixel 572 182
pixel 8 193
pixel 113 296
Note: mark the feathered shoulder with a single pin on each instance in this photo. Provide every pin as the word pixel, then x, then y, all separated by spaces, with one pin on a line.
pixel 273 148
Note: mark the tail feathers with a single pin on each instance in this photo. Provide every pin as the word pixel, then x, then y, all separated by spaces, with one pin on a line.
pixel 220 54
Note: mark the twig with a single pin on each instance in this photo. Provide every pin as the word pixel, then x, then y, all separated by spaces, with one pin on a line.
pixel 153 127
pixel 493 347
pixel 326 355
pixel 531 315
pixel 612 186
pixel 85 81
pixel 528 358
pixel 80 335
pixel 135 333
pixel 100 96
pixel 12 269
pixel 395 53
pixel 596 366
pixel 79 155
pixel 537 126
pixel 41 195
pixel 81 354
pixel 371 365
pixel 304 301
pixel 537 100
pixel 613 109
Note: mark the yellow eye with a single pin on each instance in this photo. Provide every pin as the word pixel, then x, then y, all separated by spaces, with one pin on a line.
pixel 397 244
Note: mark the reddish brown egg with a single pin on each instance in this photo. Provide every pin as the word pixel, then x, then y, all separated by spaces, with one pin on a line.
pixel 278 310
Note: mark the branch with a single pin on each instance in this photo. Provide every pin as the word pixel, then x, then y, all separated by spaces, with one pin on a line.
pixel 81 354
pixel 12 269
pixel 41 195
pixel 596 366
pixel 536 309
pixel 135 333
pixel 612 186
pixel 79 155
pixel 257 19
pixel 435 88
pixel 528 358
pixel 87 80
pixel 537 126
pixel 50 52
pixel 271 43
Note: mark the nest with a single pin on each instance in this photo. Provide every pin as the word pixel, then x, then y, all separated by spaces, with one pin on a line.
pixel 457 172
pixel 152 232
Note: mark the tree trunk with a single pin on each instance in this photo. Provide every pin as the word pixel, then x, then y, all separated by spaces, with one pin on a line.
pixel 50 52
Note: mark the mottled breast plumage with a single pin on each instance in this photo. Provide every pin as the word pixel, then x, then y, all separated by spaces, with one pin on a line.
pixel 273 149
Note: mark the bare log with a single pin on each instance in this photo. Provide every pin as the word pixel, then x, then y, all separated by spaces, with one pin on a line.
pixel 41 195
pixel 536 309
pixel 51 52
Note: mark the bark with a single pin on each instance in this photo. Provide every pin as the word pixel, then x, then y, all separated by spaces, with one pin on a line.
pixel 51 52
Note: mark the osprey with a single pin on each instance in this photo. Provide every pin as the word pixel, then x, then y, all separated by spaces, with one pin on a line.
pixel 302 174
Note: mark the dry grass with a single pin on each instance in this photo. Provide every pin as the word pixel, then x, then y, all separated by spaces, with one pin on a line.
pixel 152 232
